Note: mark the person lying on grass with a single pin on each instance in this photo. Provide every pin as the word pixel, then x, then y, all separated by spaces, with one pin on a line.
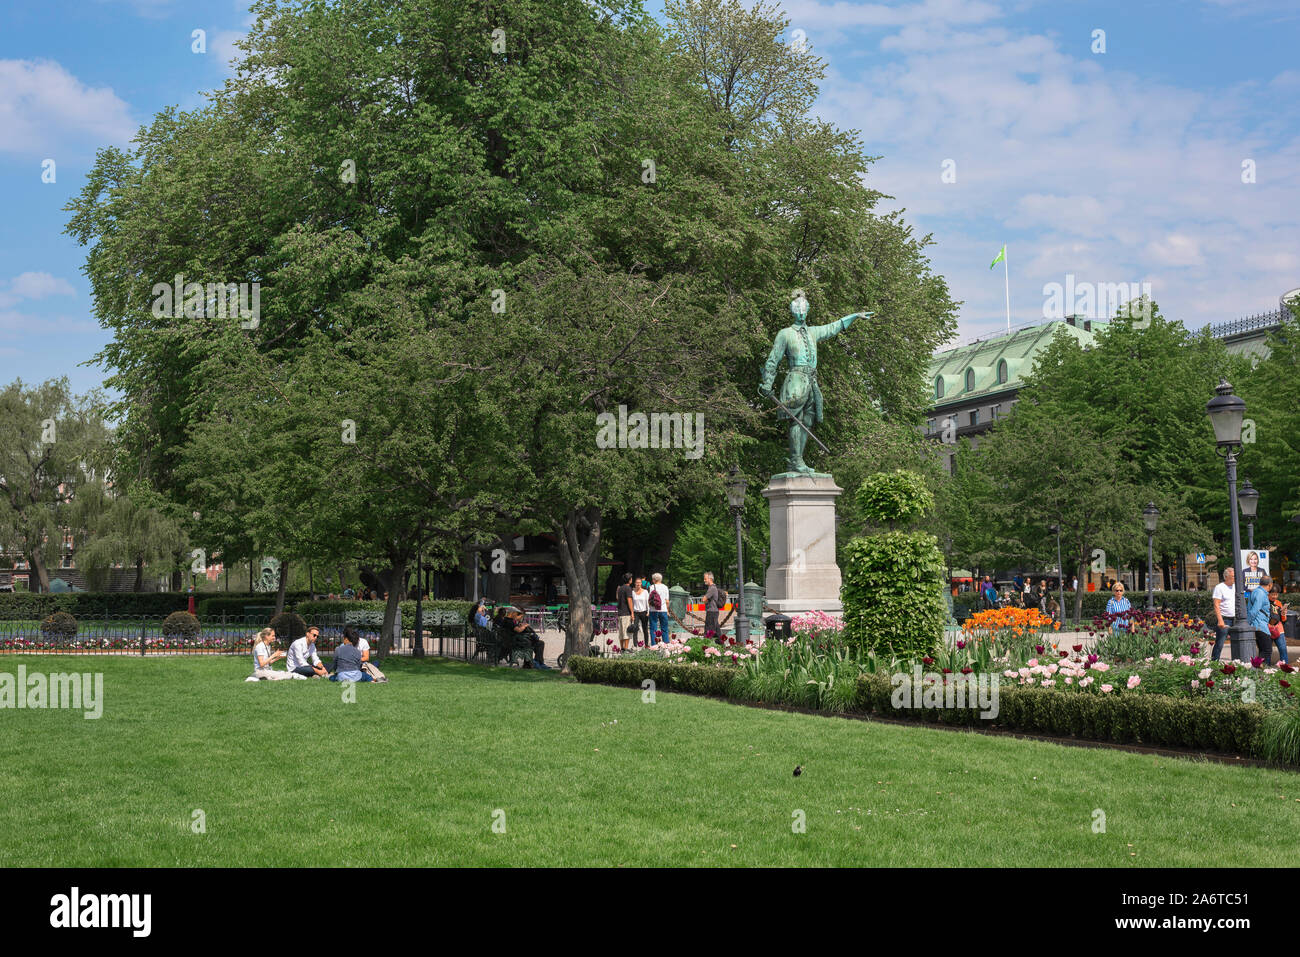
pixel 303 659
pixel 347 659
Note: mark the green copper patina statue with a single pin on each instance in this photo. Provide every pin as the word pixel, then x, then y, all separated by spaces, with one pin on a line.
pixel 801 398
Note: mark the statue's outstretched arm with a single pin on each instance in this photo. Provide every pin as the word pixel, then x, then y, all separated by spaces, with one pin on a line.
pixel 838 326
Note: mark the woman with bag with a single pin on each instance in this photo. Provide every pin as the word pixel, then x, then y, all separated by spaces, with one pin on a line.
pixel 640 613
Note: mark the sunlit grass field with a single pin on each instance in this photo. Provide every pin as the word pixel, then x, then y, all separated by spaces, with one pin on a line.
pixel 417 771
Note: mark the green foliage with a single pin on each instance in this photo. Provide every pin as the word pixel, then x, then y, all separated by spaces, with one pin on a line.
pixel 27 606
pixel 234 603
pixel 894 498
pixel 813 672
pixel 667 676
pixel 59 625
pixel 180 624
pixel 1279 737
pixel 289 626
pixel 1159 720
pixel 892 594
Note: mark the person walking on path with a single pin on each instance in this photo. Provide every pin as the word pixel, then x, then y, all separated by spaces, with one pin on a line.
pixel 1280 611
pixel 658 609
pixel 1117 605
pixel 623 598
pixel 713 602
pixel 1225 601
pixel 1258 612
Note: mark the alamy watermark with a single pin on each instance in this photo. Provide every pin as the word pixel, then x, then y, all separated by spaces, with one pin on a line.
pixel 933 690
pixel 83 692
pixel 215 300
pixel 1097 300
pixel 659 430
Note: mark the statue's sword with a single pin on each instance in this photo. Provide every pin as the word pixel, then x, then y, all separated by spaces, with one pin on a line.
pixel 796 419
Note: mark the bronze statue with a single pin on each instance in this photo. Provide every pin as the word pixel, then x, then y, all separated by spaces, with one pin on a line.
pixel 801 397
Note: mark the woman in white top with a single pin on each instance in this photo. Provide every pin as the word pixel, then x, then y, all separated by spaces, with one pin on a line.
pixel 264 658
pixel 641 611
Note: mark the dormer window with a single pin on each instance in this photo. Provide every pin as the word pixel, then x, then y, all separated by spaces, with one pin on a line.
pixel 1002 370
pixel 970 380
pixel 938 387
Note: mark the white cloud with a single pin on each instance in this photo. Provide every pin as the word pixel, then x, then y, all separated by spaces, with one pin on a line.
pixel 45 110
pixel 1078 166
pixel 33 285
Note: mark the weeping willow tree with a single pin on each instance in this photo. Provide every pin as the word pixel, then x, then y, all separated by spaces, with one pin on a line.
pixel 116 531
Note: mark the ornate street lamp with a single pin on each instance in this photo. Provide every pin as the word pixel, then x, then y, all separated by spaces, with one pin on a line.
pixel 736 499
pixel 1060 569
pixel 1150 516
pixel 1248 497
pixel 1226 412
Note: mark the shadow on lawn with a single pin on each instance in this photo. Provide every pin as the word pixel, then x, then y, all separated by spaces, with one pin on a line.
pixel 414 666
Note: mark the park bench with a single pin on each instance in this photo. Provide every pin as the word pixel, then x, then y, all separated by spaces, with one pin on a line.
pixel 499 643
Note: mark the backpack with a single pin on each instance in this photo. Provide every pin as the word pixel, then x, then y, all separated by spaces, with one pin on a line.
pixel 656 600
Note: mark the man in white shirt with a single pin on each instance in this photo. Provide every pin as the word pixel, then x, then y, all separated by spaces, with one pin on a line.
pixel 1225 604
pixel 303 659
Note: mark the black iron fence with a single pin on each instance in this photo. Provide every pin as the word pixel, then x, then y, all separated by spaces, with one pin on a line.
pixel 230 635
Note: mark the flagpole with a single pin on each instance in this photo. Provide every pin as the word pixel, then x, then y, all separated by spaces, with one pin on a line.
pixel 1006 267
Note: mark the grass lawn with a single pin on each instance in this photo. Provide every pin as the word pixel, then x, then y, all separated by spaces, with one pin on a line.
pixel 287 773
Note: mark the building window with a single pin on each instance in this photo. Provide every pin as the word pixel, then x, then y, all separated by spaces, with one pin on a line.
pixel 970 380
pixel 938 387
pixel 974 416
pixel 997 411
pixel 1002 370
pixel 930 426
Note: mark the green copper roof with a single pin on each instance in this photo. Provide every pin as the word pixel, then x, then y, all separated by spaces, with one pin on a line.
pixel 985 359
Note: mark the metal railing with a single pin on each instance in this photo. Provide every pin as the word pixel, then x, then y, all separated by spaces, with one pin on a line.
pixel 1237 327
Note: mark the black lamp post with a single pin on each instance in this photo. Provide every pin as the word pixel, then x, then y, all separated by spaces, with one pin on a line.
pixel 1060 569
pixel 1248 497
pixel 736 499
pixel 1226 412
pixel 1150 515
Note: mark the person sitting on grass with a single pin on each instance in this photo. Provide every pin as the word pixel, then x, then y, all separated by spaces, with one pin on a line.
pixel 347 659
pixel 303 659
pixel 263 658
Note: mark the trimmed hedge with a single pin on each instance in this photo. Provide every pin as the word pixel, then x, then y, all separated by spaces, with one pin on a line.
pixel 1149 719
pixel 1156 720
pixel 1198 604
pixel 667 675
pixel 33 606
pixel 233 603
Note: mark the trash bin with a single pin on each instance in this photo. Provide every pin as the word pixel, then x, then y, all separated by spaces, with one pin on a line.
pixel 777 627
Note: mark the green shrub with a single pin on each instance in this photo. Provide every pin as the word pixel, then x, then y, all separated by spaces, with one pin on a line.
pixel 289 626
pixel 29 606
pixel 60 626
pixel 1197 604
pixel 180 625
pixel 1150 719
pixel 667 676
pixel 893 595
pixel 892 498
pixel 1279 737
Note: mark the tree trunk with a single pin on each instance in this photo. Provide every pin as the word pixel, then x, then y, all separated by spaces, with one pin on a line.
pixel 284 581
pixel 579 541
pixel 139 574
pixel 177 582
pixel 36 563
pixel 342 583
pixel 251 562
pixel 392 582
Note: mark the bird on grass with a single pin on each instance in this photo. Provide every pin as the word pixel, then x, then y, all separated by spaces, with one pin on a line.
pixel 798 770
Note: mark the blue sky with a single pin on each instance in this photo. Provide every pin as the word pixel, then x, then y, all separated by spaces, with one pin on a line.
pixel 1122 166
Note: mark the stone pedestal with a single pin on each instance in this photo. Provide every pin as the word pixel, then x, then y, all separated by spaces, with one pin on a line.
pixel 803 575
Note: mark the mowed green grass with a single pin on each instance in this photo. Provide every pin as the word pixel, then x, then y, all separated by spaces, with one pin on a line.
pixel 287 773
